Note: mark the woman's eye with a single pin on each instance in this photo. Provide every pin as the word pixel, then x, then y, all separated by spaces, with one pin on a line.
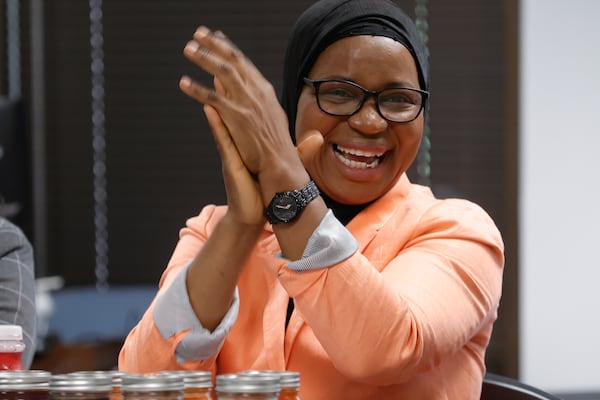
pixel 399 98
pixel 339 92
pixel 336 94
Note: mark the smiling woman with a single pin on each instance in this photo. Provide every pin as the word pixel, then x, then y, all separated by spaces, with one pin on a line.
pixel 326 259
pixel 340 167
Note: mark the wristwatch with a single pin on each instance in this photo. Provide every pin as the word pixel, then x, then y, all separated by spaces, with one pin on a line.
pixel 286 206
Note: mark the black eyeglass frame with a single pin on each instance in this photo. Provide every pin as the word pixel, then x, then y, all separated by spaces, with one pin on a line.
pixel 315 83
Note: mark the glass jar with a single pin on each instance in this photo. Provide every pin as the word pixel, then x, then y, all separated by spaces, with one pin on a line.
pixel 159 386
pixel 197 385
pixel 290 385
pixel 116 393
pixel 247 387
pixel 11 347
pixel 74 387
pixel 115 377
pixel 289 382
pixel 24 385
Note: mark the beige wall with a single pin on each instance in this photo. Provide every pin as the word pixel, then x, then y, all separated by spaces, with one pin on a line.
pixel 560 194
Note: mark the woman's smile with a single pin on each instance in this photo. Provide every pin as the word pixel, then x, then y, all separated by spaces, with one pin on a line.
pixel 357 158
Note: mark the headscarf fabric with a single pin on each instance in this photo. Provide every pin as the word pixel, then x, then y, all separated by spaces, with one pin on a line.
pixel 327 21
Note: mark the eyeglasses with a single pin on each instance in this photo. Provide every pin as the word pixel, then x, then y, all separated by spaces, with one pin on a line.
pixel 344 98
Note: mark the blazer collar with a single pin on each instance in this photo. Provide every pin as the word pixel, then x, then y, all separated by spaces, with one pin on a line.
pixel 366 224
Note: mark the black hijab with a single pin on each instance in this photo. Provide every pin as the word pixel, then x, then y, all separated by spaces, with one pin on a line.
pixel 327 21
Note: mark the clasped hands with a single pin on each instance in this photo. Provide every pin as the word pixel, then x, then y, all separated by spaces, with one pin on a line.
pixel 248 123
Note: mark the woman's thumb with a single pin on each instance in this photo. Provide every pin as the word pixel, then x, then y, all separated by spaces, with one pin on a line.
pixel 309 146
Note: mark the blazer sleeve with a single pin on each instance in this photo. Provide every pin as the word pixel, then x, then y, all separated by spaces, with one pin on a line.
pixel 162 342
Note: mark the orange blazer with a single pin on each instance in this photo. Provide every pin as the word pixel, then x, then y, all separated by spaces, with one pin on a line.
pixel 409 315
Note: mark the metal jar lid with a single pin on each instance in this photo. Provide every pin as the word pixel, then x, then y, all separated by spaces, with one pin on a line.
pixel 247 383
pixel 115 376
pixel 20 380
pixel 167 381
pixel 80 383
pixel 287 379
pixel 196 379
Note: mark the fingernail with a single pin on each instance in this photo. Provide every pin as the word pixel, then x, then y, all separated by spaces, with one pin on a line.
pixel 201 32
pixel 191 46
pixel 185 81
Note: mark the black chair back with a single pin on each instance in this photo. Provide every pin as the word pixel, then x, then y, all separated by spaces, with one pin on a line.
pixel 498 387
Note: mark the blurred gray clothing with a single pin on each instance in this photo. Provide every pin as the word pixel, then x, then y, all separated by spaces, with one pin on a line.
pixel 17 285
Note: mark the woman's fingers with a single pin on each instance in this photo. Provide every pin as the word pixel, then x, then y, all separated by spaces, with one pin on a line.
pixel 309 147
pixel 230 157
pixel 219 88
pixel 218 43
pixel 224 143
pixel 211 62
pixel 216 98
pixel 217 55
pixel 243 195
pixel 247 108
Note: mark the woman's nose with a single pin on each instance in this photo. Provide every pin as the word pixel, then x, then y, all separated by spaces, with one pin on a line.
pixel 367 120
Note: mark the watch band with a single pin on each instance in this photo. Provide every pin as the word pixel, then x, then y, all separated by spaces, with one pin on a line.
pixel 306 194
pixel 286 206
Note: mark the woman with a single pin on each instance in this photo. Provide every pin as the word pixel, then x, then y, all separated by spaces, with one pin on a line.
pixel 393 292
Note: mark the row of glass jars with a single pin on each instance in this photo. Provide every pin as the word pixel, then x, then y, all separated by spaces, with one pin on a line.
pixel 167 385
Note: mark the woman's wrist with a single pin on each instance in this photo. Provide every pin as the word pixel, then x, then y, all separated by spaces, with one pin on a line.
pixel 281 180
pixel 239 226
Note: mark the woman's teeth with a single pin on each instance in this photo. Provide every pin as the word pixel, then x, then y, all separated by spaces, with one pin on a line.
pixel 354 158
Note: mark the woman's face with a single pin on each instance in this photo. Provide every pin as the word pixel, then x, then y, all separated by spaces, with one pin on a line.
pixel 362 155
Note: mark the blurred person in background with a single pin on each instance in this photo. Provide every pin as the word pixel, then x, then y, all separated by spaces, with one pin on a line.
pixel 17 285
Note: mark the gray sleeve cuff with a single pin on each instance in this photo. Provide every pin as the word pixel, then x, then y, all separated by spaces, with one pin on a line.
pixel 173 313
pixel 330 244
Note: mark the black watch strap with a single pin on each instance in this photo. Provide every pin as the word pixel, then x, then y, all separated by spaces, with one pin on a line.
pixel 286 206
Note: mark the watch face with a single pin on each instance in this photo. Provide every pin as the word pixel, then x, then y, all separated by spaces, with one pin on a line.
pixel 284 207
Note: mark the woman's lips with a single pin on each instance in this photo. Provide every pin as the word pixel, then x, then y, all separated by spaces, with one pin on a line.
pixel 355 158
